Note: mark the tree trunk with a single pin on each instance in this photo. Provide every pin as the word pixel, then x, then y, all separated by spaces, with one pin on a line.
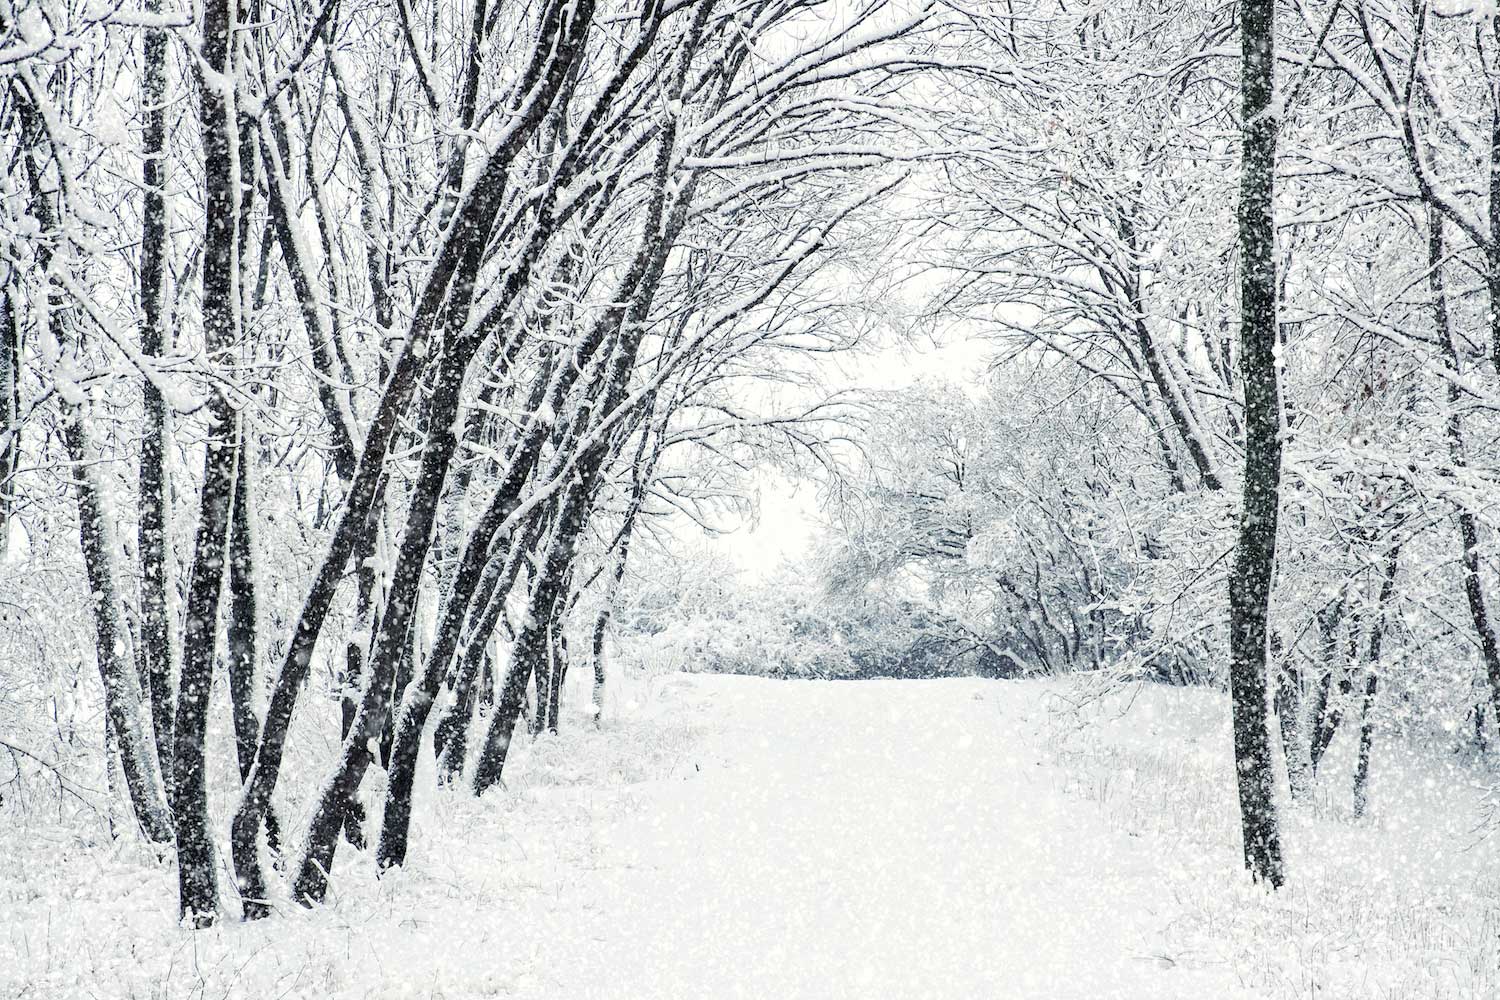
pixel 122 688
pixel 244 629
pixel 559 654
pixel 393 641
pixel 1468 524
pixel 122 692
pixel 469 577
pixel 242 614
pixel 1372 673
pixel 474 220
pixel 197 881
pixel 1255 550
pixel 543 675
pixel 601 629
pixel 1366 738
pixel 1323 714
pixel 151 538
pixel 450 736
pixel 10 407
pixel 1294 743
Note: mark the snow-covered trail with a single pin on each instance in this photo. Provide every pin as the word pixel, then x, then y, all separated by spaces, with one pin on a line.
pixel 737 837
pixel 868 839
pixel 721 837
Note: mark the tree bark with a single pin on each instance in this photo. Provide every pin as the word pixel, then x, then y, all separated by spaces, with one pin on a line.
pixel 1290 717
pixel 122 687
pixel 450 736
pixel 10 407
pixel 197 882
pixel 393 640
pixel 244 616
pixel 122 692
pixel 151 537
pixel 1255 550
pixel 1372 677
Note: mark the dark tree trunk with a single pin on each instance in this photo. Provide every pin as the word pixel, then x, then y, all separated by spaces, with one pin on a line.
pixel 1323 714
pixel 10 407
pixel 450 737
pixel 596 652
pixel 122 695
pixel 197 879
pixel 242 615
pixel 1372 675
pixel 1255 550
pixel 542 677
pixel 122 688
pixel 487 677
pixel 624 322
pixel 151 539
pixel 393 640
pixel 473 221
pixel 244 629
pixel 524 458
pixel 405 667
pixel 469 576
pixel 559 674
pixel 396 817
pixel 453 724
pixel 1366 740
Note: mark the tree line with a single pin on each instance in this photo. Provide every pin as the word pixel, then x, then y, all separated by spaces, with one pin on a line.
pixel 403 309
pixel 349 353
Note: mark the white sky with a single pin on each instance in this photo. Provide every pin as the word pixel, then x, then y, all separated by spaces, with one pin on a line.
pixel 789 517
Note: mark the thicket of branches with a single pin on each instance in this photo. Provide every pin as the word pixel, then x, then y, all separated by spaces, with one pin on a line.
pixel 345 345
pixel 1078 511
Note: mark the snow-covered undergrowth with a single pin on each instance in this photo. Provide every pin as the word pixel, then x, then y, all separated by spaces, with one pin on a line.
pixel 1403 904
pixel 84 916
pixel 733 836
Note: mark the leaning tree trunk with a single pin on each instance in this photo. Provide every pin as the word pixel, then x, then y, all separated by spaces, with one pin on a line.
pixel 558 651
pixel 121 681
pixel 474 221
pixel 469 577
pixel 122 693
pixel 640 486
pixel 529 655
pixel 122 688
pixel 545 673
pixel 241 639
pixel 393 640
pixel 1255 550
pixel 1327 706
pixel 244 626
pixel 450 735
pixel 414 711
pixel 626 322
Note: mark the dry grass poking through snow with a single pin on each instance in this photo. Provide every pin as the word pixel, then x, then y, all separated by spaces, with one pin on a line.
pixel 1401 905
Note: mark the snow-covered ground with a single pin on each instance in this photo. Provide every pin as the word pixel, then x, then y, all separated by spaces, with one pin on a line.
pixel 737 837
